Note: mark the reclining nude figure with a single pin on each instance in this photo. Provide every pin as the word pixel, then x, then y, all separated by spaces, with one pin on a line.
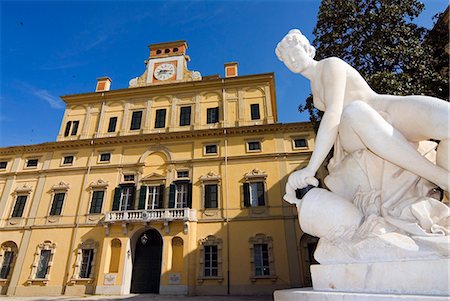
pixel 383 168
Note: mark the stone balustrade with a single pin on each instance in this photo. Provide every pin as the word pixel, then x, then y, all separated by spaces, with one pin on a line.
pixel 168 214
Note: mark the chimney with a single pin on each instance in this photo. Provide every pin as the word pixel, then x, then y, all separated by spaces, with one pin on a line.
pixel 103 84
pixel 231 69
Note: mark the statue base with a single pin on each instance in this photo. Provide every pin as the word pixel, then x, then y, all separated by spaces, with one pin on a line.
pixel 307 294
pixel 395 280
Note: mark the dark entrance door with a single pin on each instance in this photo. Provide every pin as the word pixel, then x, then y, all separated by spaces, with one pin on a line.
pixel 147 263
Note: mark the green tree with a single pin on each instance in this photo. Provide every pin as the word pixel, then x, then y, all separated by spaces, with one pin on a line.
pixel 379 39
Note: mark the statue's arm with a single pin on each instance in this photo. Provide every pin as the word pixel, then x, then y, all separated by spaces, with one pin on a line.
pixel 333 82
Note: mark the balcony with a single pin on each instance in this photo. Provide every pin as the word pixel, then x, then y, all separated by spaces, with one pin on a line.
pixel 142 216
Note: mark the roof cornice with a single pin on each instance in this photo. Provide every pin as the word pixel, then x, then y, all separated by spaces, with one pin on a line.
pixel 159 137
pixel 170 88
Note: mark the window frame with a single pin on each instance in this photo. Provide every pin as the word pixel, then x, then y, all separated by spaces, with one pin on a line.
pixel 294 147
pixel 8 247
pixel 13 213
pixel 262 239
pixel 185 115
pixel 53 204
pixel 98 185
pixel 210 240
pixel 205 149
pixel 63 160
pixel 213 117
pixel 249 150
pixel 255 114
pixel 104 161
pixel 153 191
pixel 112 125
pixel 136 120
pixel 205 195
pixel 45 246
pixel 160 118
pixel 27 163
pixel 5 163
pixel 94 202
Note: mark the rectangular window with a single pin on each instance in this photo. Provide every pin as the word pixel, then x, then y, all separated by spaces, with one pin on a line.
pixel 112 124
pixel 8 258
pixel 211 149
pixel 105 157
pixel 68 160
pixel 58 201
pixel 181 199
pixel 97 201
pixel 254 194
pixel 32 162
pixel 153 197
pixel 136 119
pixel 210 261
pixel 160 121
pixel 212 115
pixel 254 109
pixel 126 198
pixel 183 174
pixel 3 164
pixel 300 143
pixel 42 268
pixel 74 127
pixel 254 146
pixel 19 206
pixel 86 263
pixel 185 116
pixel 261 257
pixel 128 178
pixel 211 196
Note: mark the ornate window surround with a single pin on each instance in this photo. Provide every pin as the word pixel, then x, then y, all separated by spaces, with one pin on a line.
pixel 61 187
pixel 46 245
pixel 99 185
pixel 8 246
pixel 20 190
pixel 210 240
pixel 253 176
pixel 262 239
pixel 210 178
pixel 87 244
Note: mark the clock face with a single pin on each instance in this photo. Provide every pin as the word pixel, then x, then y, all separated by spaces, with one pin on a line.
pixel 164 71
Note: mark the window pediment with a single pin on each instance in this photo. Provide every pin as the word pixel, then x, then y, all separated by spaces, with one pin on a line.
pixel 25 189
pixel 153 177
pixel 61 186
pixel 210 176
pixel 255 174
pixel 99 184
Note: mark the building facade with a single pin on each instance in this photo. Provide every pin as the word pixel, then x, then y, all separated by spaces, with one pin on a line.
pixel 173 186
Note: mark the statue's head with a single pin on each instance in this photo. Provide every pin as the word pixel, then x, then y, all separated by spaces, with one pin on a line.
pixel 293 49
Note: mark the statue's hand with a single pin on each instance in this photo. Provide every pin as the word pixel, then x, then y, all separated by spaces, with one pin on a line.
pixel 298 180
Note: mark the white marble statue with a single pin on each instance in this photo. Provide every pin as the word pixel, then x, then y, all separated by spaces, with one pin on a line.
pixel 381 203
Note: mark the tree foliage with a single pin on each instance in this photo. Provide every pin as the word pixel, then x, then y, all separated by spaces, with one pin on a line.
pixel 379 39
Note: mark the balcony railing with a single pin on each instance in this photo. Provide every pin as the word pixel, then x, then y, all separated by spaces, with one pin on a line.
pixel 169 214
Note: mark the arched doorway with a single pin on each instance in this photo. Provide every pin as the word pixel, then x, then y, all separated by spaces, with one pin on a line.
pixel 147 263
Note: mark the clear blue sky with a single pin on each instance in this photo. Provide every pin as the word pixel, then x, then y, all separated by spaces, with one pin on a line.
pixel 49 49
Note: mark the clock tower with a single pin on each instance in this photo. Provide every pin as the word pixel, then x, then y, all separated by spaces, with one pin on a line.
pixel 167 63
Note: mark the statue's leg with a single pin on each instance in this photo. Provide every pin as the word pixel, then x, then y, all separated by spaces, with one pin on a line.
pixel 363 127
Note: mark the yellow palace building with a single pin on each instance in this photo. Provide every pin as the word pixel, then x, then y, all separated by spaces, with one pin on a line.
pixel 172 186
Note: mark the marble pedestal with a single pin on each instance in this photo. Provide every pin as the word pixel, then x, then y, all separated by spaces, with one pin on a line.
pixel 398 280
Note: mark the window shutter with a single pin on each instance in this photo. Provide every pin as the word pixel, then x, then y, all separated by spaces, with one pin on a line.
pixel 260 188
pixel 142 194
pixel 67 131
pixel 247 194
pixel 172 196
pixel 189 195
pixel 161 196
pixel 116 201
pixel 132 199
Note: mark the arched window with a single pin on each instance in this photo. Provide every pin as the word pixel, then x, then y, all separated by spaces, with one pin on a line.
pixel 210 259
pixel 8 255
